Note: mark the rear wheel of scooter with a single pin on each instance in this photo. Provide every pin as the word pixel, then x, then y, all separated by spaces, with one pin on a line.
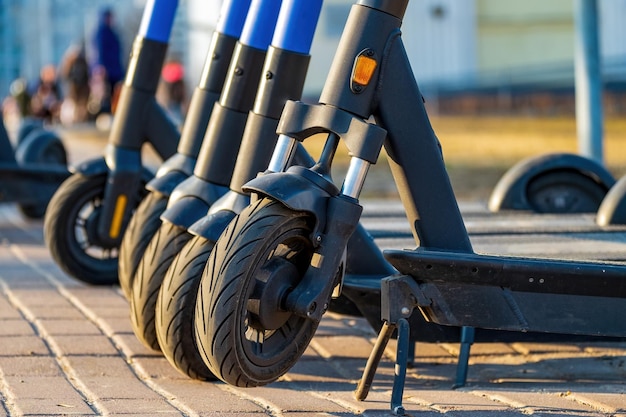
pixel 243 332
pixel 39 147
pixel 70 230
pixel 565 191
pixel 141 229
pixel 175 308
pixel 168 241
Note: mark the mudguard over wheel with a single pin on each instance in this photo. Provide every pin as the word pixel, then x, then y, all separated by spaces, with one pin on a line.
pixel 175 309
pixel 70 230
pixel 142 227
pixel 243 333
pixel 168 241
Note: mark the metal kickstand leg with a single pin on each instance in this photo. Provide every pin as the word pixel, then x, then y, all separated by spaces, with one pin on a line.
pixel 402 353
pixel 467 339
pixel 400 295
pixel 402 356
pixel 372 362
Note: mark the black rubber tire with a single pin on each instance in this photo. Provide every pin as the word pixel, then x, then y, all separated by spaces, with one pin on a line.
pixel 565 192
pixel 142 227
pixel 39 147
pixel 167 242
pixel 236 347
pixel 175 308
pixel 71 210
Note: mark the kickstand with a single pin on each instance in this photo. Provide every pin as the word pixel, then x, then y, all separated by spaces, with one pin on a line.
pixel 467 339
pixel 372 362
pixel 402 355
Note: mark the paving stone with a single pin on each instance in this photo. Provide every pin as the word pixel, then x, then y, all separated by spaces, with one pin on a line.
pixel 85 345
pixel 36 394
pixel 445 400
pixel 132 347
pixel 7 311
pixel 23 346
pixel 606 398
pixel 123 387
pixel 29 366
pixel 55 407
pixel 15 327
pixel 343 347
pixel 138 406
pixel 67 312
pixel 64 327
pixel 96 366
pixel 49 298
pixel 214 397
pixel 115 326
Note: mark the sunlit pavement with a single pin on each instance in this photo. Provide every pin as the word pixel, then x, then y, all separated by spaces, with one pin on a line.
pixel 67 348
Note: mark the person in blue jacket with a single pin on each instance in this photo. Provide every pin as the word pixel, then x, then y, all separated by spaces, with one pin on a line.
pixel 108 51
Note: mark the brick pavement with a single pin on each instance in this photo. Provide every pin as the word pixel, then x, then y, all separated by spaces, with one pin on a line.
pixel 67 348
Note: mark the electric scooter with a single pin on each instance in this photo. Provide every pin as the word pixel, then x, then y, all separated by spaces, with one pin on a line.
pixel 145 222
pixel 192 198
pixel 87 216
pixel 32 172
pixel 271 274
pixel 283 79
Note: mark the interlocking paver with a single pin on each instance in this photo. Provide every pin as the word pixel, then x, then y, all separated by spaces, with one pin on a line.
pixel 43 394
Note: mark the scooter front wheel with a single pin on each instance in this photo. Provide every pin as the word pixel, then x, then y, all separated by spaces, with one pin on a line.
pixel 244 333
pixel 175 308
pixel 70 230
pixel 142 227
pixel 159 255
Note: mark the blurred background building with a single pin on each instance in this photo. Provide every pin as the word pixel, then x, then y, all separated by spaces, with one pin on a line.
pixel 467 55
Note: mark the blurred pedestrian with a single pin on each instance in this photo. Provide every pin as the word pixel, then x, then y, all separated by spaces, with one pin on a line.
pixel 45 101
pixel 171 93
pixel 108 56
pixel 74 73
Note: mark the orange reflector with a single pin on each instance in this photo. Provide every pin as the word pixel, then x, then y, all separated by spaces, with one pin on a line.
pixel 363 70
pixel 118 215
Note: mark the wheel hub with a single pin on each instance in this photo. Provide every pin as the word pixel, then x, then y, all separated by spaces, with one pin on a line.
pixel 91 229
pixel 273 282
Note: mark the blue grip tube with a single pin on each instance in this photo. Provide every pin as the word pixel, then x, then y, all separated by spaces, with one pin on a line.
pixel 232 17
pixel 158 19
pixel 260 23
pixel 296 25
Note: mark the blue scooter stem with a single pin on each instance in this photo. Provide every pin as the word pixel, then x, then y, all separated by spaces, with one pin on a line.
pixel 158 19
pixel 259 28
pixel 232 17
pixel 296 25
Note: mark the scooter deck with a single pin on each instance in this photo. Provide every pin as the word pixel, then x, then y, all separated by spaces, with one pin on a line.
pixel 504 234
pixel 518 294
pixel 30 183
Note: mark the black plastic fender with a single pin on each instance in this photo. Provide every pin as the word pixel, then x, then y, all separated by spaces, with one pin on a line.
pixel 97 166
pixel 166 183
pixel 293 191
pixel 220 214
pixel 512 191
pixel 41 147
pixel 612 210
pixel 28 125
pixel 190 201
pixel 172 172
pixel 186 211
